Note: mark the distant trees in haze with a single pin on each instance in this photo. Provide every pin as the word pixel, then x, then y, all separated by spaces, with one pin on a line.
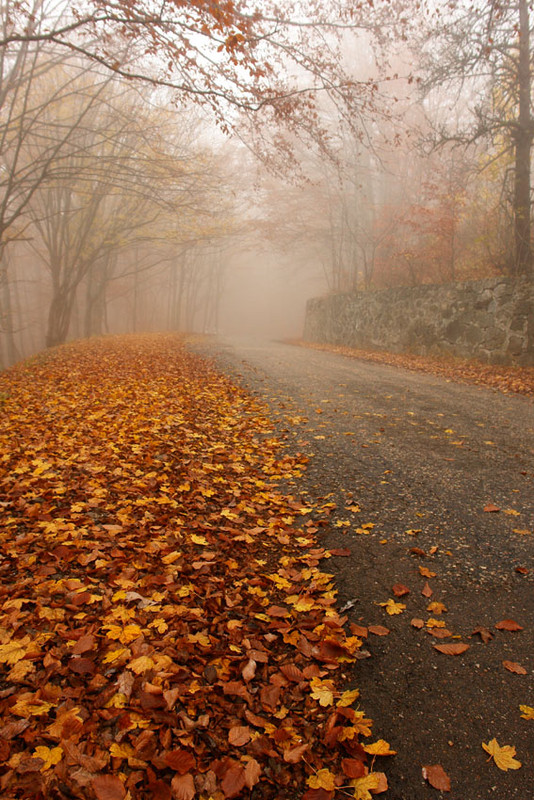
pixel 392 143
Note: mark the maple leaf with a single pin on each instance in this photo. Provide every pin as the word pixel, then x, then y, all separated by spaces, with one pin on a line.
pixel 503 756
pixel 392 607
pixel 323 691
pixel 379 748
pixel 323 779
pixel 527 712
pixel 363 787
pixel 13 651
pixel 348 698
pixel 50 756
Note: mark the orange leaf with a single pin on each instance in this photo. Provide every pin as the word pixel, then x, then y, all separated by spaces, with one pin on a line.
pixel 295 754
pixel 399 589
pixel 183 787
pixel 239 735
pixel 426 573
pixel 379 630
pixel 437 777
pixel 252 773
pixel 508 625
pixel 427 591
pixel 513 666
pixel 492 509
pixel 451 649
pixel 180 761
pixel 234 779
pixel 108 787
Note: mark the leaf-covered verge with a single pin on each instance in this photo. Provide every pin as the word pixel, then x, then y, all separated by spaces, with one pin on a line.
pixel 509 380
pixel 167 629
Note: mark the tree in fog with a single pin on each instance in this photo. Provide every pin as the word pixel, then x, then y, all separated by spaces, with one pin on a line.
pixel 482 54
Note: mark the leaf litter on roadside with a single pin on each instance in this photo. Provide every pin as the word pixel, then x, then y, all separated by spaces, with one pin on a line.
pixel 166 630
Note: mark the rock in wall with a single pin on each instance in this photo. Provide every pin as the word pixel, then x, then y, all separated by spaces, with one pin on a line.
pixel 491 320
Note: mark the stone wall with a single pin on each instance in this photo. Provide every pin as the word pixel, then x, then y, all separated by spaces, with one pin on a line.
pixel 490 320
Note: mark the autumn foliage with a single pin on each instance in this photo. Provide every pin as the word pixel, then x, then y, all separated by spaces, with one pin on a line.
pixel 167 629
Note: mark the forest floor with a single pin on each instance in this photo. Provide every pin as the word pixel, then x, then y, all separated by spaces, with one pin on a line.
pixel 232 578
pixel 166 629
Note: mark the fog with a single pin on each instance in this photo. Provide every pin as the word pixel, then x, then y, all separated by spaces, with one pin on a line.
pixel 339 165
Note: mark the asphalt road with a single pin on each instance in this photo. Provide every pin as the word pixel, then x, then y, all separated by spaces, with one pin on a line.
pixel 423 459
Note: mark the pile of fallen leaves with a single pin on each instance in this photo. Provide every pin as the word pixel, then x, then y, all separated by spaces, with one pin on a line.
pixel 166 629
pixel 506 379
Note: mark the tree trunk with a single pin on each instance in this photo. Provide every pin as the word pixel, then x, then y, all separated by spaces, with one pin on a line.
pixel 523 146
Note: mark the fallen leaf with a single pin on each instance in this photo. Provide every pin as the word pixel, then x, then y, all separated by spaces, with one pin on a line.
pixel 379 748
pixel 239 735
pixel 399 589
pixel 426 573
pixel 183 787
pixel 323 779
pixel 527 712
pixel 508 625
pixel 108 787
pixel 437 777
pixel 492 509
pixel 379 630
pixel 417 623
pixel 427 590
pixel 455 649
pixel 484 633
pixel 392 607
pixel 513 666
pixel 503 756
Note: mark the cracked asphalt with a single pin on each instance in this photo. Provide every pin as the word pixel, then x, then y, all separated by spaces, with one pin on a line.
pixel 424 459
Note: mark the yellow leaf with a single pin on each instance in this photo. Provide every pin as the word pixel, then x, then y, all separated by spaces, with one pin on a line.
pixel 31 707
pixel 118 700
pixel 392 607
pixel 379 748
pixel 503 756
pixel 528 712
pixel 159 624
pixel 304 604
pixel 13 651
pixel 171 557
pixel 323 691
pixel 20 671
pixel 348 698
pixel 141 664
pixel 363 786
pixel 130 633
pixel 122 750
pixel 324 779
pixel 436 608
pixel 50 756
pixel 113 655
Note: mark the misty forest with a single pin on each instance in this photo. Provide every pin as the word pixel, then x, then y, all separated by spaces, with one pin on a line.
pixel 207 168
pixel 266 385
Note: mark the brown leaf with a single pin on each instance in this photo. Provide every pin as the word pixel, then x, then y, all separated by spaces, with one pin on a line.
pixel 183 787
pixel 484 633
pixel 340 551
pixel 180 760
pixel 417 623
pixel 379 630
pixel 84 644
pixel 455 649
pixel 295 754
pixel 353 767
pixel 239 735
pixel 252 773
pixel 513 666
pixel 399 589
pixel 292 673
pixel 427 591
pixel 249 670
pixel 508 625
pixel 437 777
pixel 491 508
pixel 108 787
pixel 427 573
pixel 234 779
